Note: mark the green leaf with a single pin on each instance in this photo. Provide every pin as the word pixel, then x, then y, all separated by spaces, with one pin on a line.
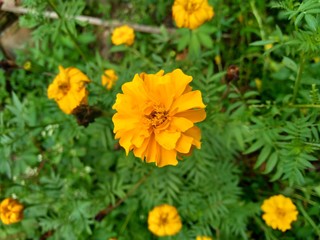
pixel 311 21
pixel 289 63
pixel 205 39
pixel 263 156
pixel 271 163
pixel 262 42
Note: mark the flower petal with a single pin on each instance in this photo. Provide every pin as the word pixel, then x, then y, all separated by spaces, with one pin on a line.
pixel 167 139
pixel 188 101
pixel 194 115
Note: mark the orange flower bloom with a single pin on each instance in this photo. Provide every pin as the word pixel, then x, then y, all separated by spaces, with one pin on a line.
pixel 203 238
pixel 109 78
pixel 11 211
pixel 280 212
pixel 191 13
pixel 123 35
pixel 68 89
pixel 156 115
pixel 164 220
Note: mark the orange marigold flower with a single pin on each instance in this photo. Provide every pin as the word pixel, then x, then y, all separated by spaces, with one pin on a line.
pixel 109 78
pixel 156 115
pixel 279 212
pixel 191 13
pixel 203 238
pixel 164 220
pixel 11 211
pixel 68 89
pixel 123 35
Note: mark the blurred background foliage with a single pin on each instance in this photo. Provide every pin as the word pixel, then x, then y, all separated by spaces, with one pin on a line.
pixel 257 66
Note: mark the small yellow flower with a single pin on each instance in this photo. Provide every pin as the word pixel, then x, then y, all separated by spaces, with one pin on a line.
pixel 109 78
pixel 258 83
pixel 123 35
pixel 11 211
pixel 316 59
pixel 280 212
pixel 268 46
pixel 68 89
pixel 156 116
pixel 164 220
pixel 27 65
pixel 217 59
pixel 191 13
pixel 203 238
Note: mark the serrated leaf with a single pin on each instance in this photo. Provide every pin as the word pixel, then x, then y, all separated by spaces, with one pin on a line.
pixel 254 147
pixel 271 163
pixel 263 156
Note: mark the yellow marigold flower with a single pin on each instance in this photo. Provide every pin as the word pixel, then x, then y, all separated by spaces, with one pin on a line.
pixel 123 35
pixel 109 78
pixel 203 238
pixel 191 13
pixel 27 65
pixel 258 83
pixel 279 212
pixel 268 46
pixel 164 220
pixel 68 89
pixel 156 115
pixel 11 211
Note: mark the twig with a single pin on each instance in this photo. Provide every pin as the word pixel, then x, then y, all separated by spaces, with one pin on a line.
pixel 89 20
pixel 108 209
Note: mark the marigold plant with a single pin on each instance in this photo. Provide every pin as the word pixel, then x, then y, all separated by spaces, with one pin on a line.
pixel 191 14
pixel 108 78
pixel 164 220
pixel 123 35
pixel 11 211
pixel 68 89
pixel 279 212
pixel 155 117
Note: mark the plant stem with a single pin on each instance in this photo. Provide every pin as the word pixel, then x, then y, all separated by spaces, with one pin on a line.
pixel 72 37
pixel 298 79
pixel 304 106
pixel 308 218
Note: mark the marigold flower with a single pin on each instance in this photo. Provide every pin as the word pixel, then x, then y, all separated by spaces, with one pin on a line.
pixel 203 238
pixel 279 212
pixel 11 211
pixel 68 89
pixel 156 115
pixel 164 220
pixel 123 35
pixel 191 13
pixel 109 78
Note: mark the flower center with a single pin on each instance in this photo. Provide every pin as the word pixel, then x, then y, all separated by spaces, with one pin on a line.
pixel 164 219
pixel 64 87
pixel 192 6
pixel 157 117
pixel 281 213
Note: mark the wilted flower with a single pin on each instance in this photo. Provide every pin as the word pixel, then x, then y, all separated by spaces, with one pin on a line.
pixel 191 13
pixel 164 220
pixel 68 89
pixel 279 212
pixel 108 78
pixel 156 115
pixel 123 35
pixel 11 211
pixel 203 238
